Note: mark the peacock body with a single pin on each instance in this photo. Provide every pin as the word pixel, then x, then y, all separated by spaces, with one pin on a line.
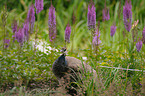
pixel 69 69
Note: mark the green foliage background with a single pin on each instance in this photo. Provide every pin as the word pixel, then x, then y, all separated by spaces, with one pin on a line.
pixel 64 12
pixel 26 66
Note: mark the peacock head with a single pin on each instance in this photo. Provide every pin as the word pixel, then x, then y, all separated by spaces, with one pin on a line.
pixel 63 50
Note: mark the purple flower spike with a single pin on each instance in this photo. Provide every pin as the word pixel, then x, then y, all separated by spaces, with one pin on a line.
pixel 31 17
pixel 143 35
pixel 91 16
pixel 14 26
pixel 6 43
pixel 19 36
pixel 138 45
pixel 39 6
pixel 96 40
pixel 52 23
pixel 67 33
pixel 127 15
pixel 106 15
pixel 113 30
pixel 26 29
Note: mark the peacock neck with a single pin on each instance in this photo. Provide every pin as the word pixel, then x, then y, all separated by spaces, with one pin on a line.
pixel 62 60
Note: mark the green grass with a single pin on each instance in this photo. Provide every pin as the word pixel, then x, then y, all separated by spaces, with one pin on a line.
pixel 24 72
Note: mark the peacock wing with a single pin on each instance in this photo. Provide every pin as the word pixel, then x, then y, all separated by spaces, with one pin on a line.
pixel 79 66
pixel 74 63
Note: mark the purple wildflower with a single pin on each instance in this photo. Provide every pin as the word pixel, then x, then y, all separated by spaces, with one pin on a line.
pixel 139 84
pixel 91 16
pixel 67 33
pixel 96 40
pixel 6 43
pixel 143 35
pixel 52 23
pixel 113 30
pixel 106 15
pixel 26 29
pixel 14 26
pixel 138 45
pixel 31 17
pixel 19 36
pixel 39 6
pixel 127 15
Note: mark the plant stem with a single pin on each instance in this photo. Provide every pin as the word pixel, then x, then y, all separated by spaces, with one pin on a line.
pixel 51 52
pixel 97 47
pixel 91 43
pixel 119 23
pixel 72 39
pixel 104 30
pixel 36 34
pixel 65 44
pixel 4 20
pixel 126 78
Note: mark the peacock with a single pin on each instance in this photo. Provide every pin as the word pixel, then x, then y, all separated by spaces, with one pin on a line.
pixel 70 69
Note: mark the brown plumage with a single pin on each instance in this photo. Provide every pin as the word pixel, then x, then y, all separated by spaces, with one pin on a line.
pixel 69 69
